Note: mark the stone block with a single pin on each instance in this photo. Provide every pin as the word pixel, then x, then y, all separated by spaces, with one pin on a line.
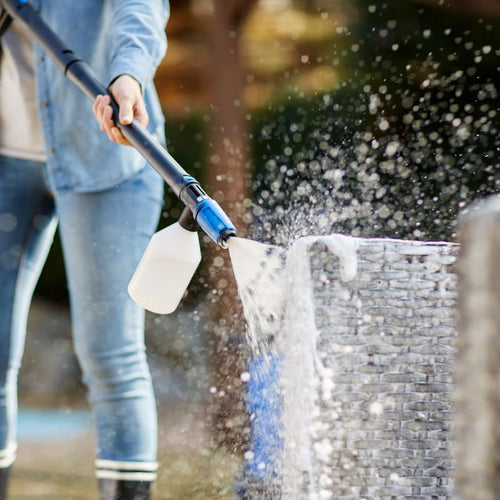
pixel 387 340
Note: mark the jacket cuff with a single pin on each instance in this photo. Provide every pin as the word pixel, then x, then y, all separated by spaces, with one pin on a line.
pixel 136 65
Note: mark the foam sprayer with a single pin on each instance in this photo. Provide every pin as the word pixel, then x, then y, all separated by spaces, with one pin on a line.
pixel 173 254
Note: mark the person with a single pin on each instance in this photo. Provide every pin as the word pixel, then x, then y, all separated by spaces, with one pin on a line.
pixel 63 163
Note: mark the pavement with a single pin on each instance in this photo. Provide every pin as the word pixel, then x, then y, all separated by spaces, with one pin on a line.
pixel 58 467
pixel 55 458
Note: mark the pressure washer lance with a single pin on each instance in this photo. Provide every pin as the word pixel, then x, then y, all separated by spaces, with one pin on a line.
pixel 150 284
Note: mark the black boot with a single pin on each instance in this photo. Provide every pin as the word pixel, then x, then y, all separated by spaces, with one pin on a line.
pixel 4 481
pixel 113 489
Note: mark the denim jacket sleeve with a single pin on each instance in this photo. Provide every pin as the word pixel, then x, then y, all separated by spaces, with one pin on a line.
pixel 137 42
pixel 114 37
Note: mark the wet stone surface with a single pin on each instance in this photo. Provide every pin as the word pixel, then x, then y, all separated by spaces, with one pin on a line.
pixel 380 418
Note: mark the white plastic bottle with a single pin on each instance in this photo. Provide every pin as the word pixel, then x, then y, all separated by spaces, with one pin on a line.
pixel 166 269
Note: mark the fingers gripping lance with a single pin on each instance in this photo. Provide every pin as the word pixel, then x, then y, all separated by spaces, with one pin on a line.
pixel 205 211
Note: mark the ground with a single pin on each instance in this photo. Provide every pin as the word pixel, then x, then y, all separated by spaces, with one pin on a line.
pixel 190 469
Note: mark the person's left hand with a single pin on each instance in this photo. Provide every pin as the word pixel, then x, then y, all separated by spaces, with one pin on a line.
pixel 127 93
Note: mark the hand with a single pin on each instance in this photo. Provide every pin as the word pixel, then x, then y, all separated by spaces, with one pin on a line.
pixel 127 93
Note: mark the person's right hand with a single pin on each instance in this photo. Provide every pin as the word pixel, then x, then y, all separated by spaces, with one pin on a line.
pixel 127 93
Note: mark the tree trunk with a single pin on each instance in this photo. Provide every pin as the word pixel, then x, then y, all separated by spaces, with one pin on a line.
pixel 229 145
pixel 228 183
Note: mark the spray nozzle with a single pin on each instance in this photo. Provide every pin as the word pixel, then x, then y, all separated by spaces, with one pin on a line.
pixel 206 212
pixel 212 219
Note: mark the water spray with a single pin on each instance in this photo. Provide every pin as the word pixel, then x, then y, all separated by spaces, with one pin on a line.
pixel 171 259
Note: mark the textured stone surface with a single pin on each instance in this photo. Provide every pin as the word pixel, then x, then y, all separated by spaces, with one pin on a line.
pixel 477 397
pixel 383 381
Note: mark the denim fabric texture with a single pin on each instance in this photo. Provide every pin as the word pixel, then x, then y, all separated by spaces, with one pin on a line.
pixel 103 235
pixel 114 37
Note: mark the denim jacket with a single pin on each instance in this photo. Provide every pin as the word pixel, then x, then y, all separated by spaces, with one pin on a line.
pixel 114 37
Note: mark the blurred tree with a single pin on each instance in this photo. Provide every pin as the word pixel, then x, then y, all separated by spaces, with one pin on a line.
pixel 204 73
pixel 228 182
pixel 228 158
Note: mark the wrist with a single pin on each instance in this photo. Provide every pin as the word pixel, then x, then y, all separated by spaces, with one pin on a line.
pixel 127 75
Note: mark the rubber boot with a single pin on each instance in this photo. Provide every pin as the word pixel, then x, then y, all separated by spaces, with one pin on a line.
pixel 4 482
pixel 114 489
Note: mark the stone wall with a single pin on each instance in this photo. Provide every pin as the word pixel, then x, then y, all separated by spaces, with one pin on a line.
pixel 373 369
pixel 477 395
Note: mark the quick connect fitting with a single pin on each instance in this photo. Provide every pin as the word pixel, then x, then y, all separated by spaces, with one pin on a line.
pixel 212 219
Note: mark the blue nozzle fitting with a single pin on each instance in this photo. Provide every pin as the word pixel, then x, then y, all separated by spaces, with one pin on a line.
pixel 206 212
pixel 212 219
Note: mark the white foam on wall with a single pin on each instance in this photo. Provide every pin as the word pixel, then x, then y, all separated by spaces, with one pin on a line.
pixel 300 363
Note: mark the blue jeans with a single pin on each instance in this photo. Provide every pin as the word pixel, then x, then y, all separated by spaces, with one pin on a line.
pixel 103 236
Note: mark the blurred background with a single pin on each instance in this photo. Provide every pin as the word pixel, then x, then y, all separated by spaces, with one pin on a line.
pixel 367 118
